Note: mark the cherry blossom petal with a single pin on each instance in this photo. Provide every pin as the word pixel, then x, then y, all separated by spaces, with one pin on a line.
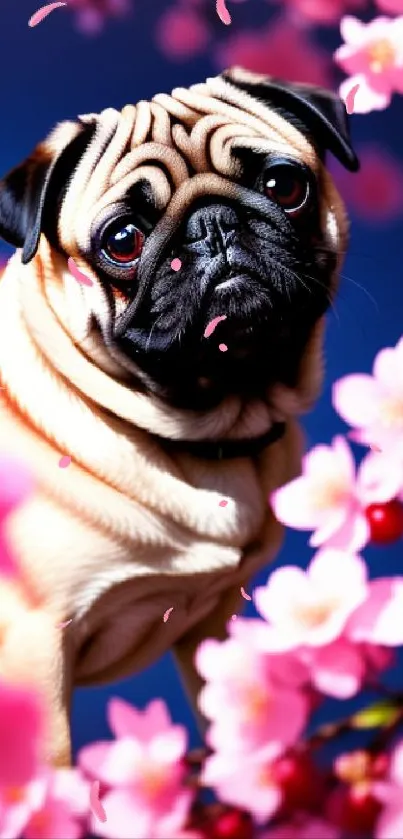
pixel 292 505
pixel 379 619
pixel 337 670
pixel 379 479
pixel 367 98
pixel 352 536
pixel 355 398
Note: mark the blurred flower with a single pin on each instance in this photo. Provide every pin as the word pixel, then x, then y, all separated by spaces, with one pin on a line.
pixel 337 669
pixel 15 487
pixel 247 783
pixel 15 484
pixel 373 404
pixel 21 731
pixel 303 828
pixel 182 32
pixel 246 706
pixel 375 192
pixel 323 11
pixel 330 498
pixel 311 608
pixel 61 807
pixel 92 14
pixel 145 770
pixel 391 7
pixel 373 57
pixel 268 51
pixel 54 805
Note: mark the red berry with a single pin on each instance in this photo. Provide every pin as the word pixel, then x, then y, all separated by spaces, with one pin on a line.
pixel 300 783
pixel 354 809
pixel 385 521
pixel 232 825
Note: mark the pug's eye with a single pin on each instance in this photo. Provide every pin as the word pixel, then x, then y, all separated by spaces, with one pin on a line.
pixel 123 243
pixel 288 186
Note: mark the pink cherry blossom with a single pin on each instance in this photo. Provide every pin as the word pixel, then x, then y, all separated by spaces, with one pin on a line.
pixel 323 11
pixel 285 668
pixel 373 404
pixel 373 58
pixel 54 805
pixel 337 669
pixel 21 732
pixel 243 702
pixel 63 810
pixel 127 818
pixel 375 192
pixel 268 51
pixel 330 498
pixel 17 805
pixel 311 608
pixel 182 32
pixel 248 783
pixel 145 770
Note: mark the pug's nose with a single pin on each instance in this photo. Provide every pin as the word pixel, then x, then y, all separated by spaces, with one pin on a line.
pixel 213 224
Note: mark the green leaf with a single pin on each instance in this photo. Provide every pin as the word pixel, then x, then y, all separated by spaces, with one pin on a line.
pixel 380 715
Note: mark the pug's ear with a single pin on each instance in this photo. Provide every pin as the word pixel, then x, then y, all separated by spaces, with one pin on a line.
pixel 22 199
pixel 321 111
pixel 25 190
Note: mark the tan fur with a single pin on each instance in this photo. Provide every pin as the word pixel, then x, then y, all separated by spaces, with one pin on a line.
pixel 126 531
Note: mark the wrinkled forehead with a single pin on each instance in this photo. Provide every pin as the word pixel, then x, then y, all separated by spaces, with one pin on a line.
pixel 181 144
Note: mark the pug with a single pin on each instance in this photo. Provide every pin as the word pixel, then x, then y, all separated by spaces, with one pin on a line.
pixel 175 393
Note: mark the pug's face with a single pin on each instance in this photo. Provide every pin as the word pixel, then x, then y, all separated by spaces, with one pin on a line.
pixel 226 177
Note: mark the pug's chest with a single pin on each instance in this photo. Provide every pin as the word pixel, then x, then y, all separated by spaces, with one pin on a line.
pixel 133 623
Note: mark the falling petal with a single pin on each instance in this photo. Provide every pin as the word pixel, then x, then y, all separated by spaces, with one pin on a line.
pixel 176 264
pixel 234 617
pixel 349 100
pixel 95 803
pixel 77 274
pixel 223 503
pixel 64 461
pixel 167 614
pixel 223 12
pixel 222 347
pixel 62 625
pixel 212 325
pixel 43 12
pixel 246 596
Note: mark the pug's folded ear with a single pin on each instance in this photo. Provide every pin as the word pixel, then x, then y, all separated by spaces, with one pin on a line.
pixel 26 190
pixel 322 112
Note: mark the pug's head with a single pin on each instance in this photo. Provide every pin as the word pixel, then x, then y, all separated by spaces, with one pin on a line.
pixel 227 177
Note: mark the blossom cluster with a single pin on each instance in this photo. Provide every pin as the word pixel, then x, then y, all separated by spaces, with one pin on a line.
pixel 327 631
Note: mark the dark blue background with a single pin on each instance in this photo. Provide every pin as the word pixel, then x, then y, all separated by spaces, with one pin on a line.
pixel 53 72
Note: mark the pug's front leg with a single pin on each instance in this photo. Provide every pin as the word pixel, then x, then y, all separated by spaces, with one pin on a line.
pixel 32 653
pixel 184 650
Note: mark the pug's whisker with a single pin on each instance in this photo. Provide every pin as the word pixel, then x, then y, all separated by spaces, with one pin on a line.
pixel 362 288
pixel 288 270
pixel 328 293
pixel 151 331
